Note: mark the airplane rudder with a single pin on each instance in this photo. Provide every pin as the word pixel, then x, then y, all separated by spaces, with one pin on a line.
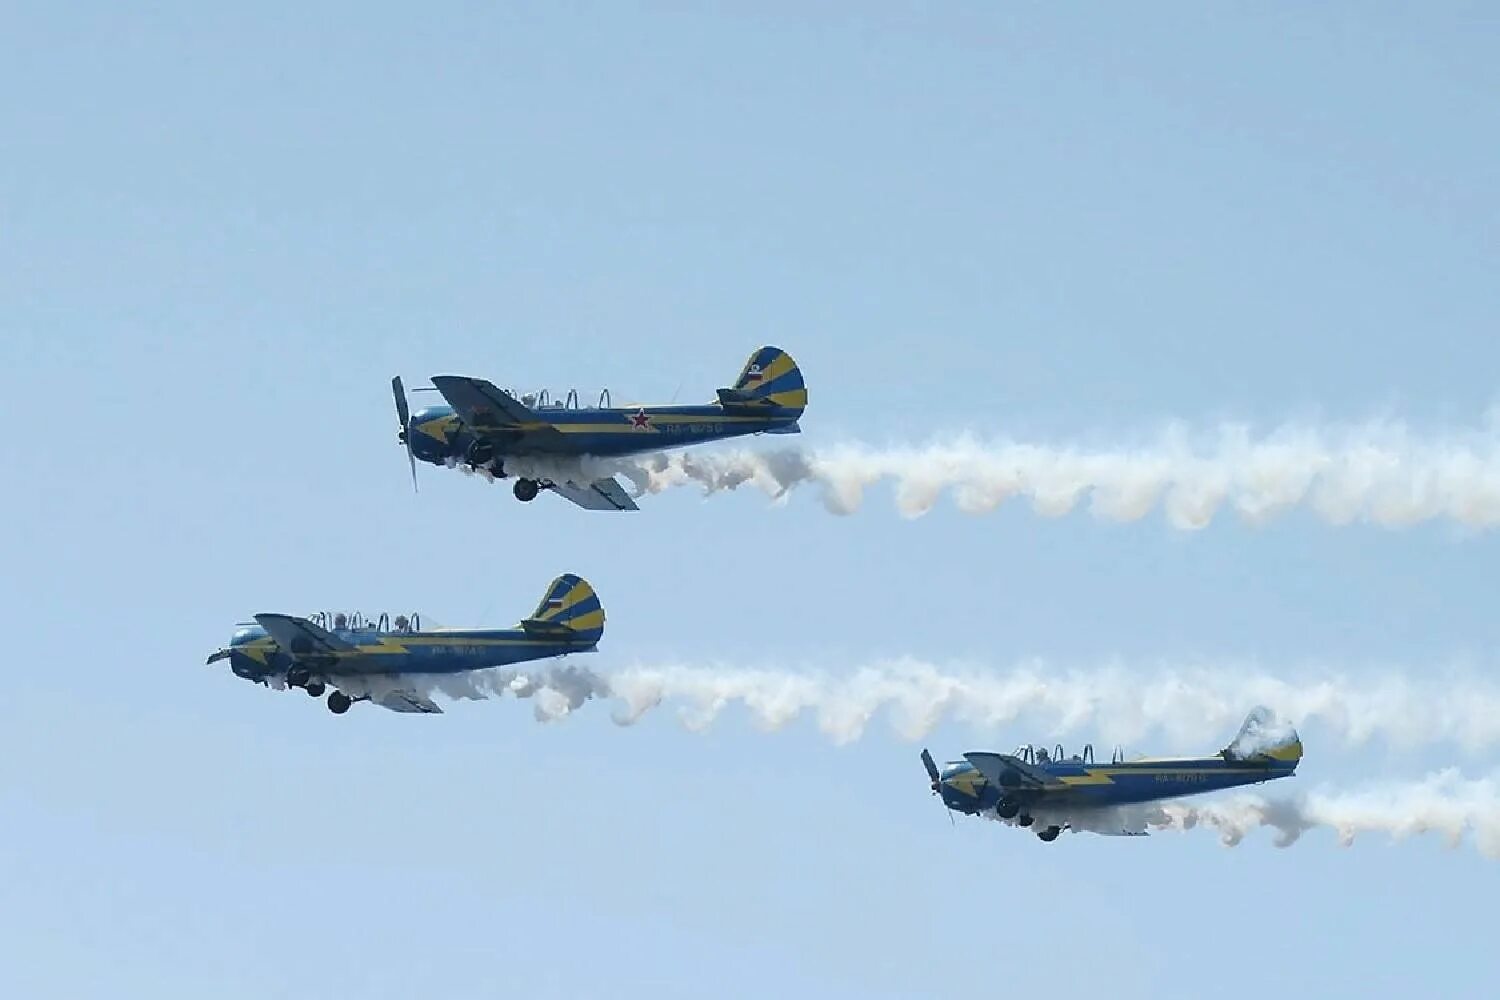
pixel 1266 735
pixel 571 601
pixel 772 375
pixel 555 595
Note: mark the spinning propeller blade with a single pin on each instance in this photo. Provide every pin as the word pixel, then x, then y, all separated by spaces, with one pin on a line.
pixel 932 770
pixel 404 415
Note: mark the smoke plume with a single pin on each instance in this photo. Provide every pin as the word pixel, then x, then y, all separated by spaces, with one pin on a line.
pixel 1378 473
pixel 1186 708
pixel 1186 705
pixel 1444 803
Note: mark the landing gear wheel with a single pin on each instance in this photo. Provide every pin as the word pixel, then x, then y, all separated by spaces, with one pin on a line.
pixel 339 702
pixel 314 688
pixel 1048 835
pixel 526 489
pixel 298 677
pixel 1025 820
pixel 1008 808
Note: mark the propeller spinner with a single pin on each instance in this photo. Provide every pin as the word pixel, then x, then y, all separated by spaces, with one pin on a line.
pixel 403 413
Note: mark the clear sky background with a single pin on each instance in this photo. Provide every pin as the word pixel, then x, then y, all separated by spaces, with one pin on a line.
pixel 222 232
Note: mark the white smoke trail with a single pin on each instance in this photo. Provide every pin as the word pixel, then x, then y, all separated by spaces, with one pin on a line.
pixel 1444 802
pixel 1189 706
pixel 555 691
pixel 1381 473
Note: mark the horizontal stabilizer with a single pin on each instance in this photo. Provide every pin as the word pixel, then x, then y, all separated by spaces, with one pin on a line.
pixel 741 397
pixel 790 428
pixel 541 627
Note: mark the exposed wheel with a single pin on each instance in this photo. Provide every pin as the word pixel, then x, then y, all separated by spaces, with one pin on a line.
pixel 314 688
pixel 339 702
pixel 298 677
pixel 1049 835
pixel 526 489
pixel 1025 820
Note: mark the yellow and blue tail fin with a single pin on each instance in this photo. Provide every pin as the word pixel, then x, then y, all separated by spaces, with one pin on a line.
pixel 568 610
pixel 770 378
pixel 1265 737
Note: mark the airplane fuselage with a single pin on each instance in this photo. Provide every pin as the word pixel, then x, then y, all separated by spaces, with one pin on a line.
pixel 438 436
pixel 965 790
pixel 254 655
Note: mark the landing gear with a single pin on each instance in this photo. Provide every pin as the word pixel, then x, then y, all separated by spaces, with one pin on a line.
pixel 526 489
pixel 339 702
pixel 298 677
pixel 1026 820
pixel 1008 808
pixel 478 454
pixel 314 688
pixel 1048 835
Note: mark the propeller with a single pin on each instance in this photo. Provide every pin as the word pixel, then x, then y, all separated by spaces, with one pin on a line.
pixel 937 779
pixel 404 414
pixel 932 770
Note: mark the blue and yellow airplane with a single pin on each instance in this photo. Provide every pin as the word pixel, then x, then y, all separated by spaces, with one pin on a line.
pixel 1050 792
pixel 543 443
pixel 364 660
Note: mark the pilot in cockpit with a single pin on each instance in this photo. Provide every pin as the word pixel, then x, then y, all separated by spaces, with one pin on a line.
pixel 402 623
pixel 340 620
pixel 1041 756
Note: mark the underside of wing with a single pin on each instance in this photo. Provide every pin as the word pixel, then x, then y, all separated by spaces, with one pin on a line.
pixel 300 637
pixel 601 494
pixel 496 416
pixel 1007 771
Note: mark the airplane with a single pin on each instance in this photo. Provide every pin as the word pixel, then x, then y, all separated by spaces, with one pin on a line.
pixel 356 659
pixel 547 444
pixel 1050 793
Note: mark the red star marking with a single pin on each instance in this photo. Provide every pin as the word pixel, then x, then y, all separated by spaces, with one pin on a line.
pixel 641 421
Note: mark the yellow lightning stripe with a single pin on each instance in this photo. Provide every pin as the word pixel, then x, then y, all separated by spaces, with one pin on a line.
pixel 260 650
pixel 438 428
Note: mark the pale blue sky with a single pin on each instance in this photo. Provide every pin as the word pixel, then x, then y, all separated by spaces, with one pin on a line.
pixel 221 233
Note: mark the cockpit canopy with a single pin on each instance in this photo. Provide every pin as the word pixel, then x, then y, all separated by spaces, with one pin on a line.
pixel 1041 755
pixel 355 621
pixel 542 400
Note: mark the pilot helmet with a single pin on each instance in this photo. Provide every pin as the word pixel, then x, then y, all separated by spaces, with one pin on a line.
pixel 340 620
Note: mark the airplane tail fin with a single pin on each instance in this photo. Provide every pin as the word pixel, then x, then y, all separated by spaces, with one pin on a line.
pixel 1265 737
pixel 569 610
pixel 770 378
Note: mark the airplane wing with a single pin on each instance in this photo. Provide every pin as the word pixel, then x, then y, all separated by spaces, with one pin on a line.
pixel 300 637
pixel 497 416
pixel 408 702
pixel 1008 771
pixel 601 494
